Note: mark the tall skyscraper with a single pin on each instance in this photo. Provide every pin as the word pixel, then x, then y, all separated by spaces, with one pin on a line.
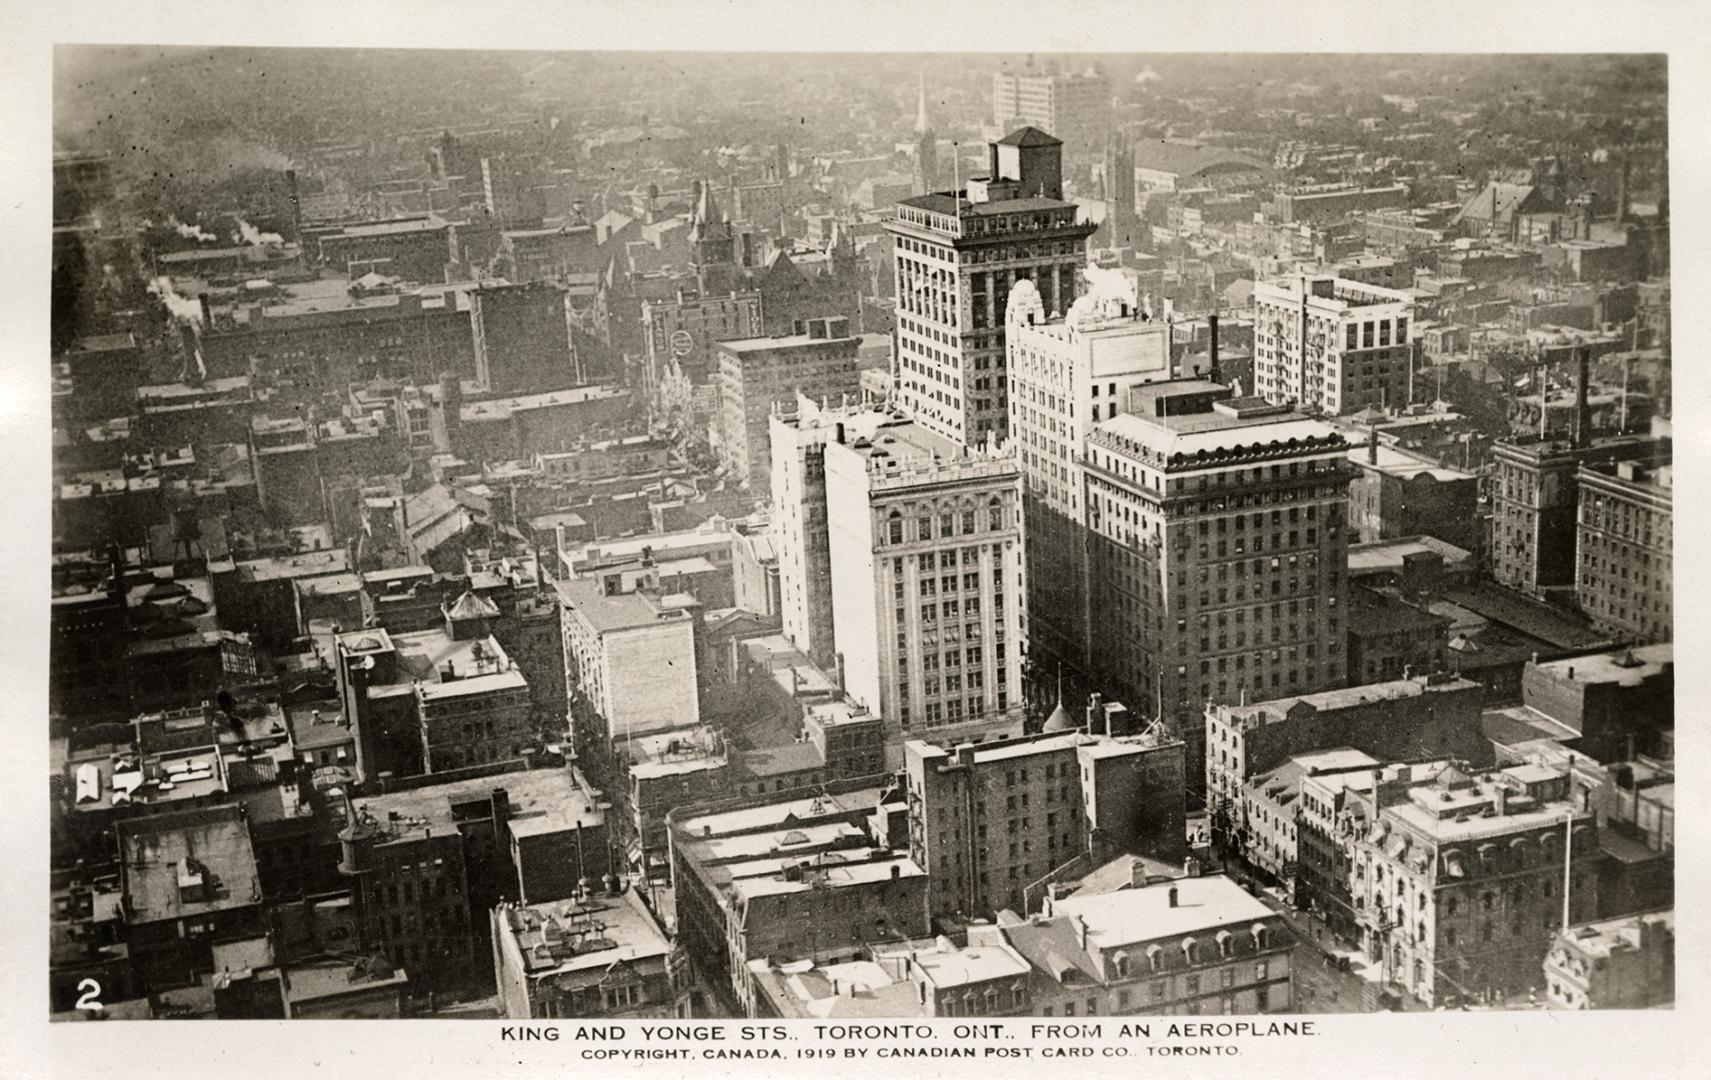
pixel 1330 345
pixel 926 148
pixel 1220 545
pixel 757 374
pixel 1077 106
pixel 1067 374
pixel 928 601
pixel 798 450
pixel 958 253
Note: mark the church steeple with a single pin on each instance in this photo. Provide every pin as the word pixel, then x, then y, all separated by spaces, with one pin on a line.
pixel 707 220
pixel 712 244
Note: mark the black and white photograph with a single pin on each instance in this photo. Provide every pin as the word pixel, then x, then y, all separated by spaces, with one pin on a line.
pixel 716 547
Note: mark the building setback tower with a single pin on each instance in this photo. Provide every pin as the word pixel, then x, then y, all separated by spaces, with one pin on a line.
pixel 928 607
pixel 1219 542
pixel 958 253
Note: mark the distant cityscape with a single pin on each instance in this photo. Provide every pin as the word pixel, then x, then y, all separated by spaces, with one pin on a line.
pixel 845 536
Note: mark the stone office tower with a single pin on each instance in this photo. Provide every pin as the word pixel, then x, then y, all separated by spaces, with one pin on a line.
pixel 958 253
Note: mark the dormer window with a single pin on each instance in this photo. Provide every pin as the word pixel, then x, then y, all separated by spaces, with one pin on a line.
pixel 1262 935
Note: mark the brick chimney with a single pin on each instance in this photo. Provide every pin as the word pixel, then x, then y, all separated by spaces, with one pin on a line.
pixel 1212 329
pixel 1582 412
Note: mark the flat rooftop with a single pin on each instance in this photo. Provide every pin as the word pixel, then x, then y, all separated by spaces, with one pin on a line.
pixel 1614 935
pixel 503 408
pixel 674 752
pixel 1382 555
pixel 552 794
pixel 1190 433
pixel 336 978
pixel 1274 710
pixel 220 874
pixel 1204 904
pixel 787 341
pixel 777 814
pixel 424 654
pixel 1649 661
pixel 606 614
pixel 842 869
pixel 389 228
pixel 855 989
pixel 1283 783
pixel 947 967
pixel 593 933
pixel 1395 462
pixel 1448 830
pixel 304 565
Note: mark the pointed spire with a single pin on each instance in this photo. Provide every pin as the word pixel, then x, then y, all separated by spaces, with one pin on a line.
pixel 708 211
pixel 921 125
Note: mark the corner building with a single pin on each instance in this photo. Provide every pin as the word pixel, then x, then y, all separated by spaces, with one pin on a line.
pixel 958 253
pixel 1219 537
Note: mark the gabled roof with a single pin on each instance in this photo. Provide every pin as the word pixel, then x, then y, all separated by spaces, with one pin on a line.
pixel 1500 200
pixel 1029 136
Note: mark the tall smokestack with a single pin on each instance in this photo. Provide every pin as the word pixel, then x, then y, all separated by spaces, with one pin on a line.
pixel 1582 412
pixel 1212 325
pixel 1622 188
pixel 207 309
pixel 1372 448
pixel 194 371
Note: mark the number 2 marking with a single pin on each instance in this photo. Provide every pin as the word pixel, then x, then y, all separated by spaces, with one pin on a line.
pixel 89 998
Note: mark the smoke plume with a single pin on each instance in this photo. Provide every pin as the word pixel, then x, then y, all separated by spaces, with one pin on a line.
pixel 182 308
pixel 249 234
pixel 1106 288
pixel 191 232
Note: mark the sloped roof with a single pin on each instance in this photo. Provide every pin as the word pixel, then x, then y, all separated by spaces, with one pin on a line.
pixel 1188 158
pixel 471 606
pixel 1059 720
pixel 1500 200
pixel 1029 136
